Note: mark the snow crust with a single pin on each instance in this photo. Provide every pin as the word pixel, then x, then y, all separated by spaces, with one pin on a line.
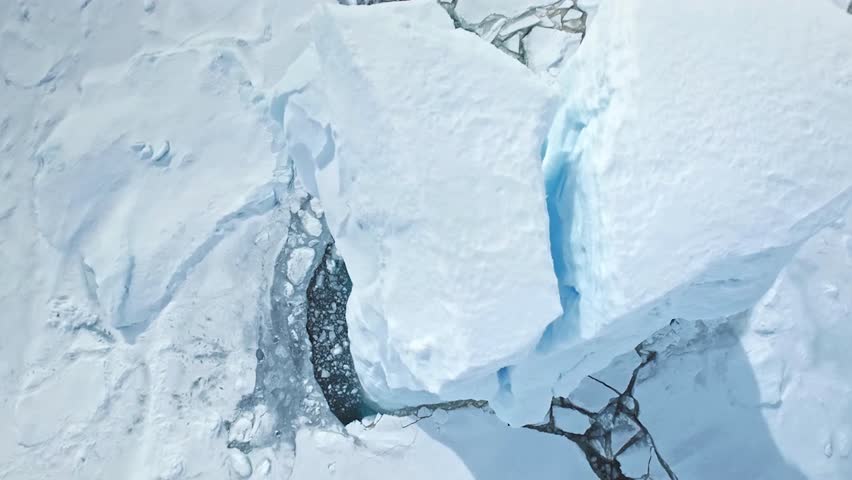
pixel 435 197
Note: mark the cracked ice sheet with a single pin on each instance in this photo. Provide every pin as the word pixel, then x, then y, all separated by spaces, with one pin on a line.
pixel 435 199
pixel 80 199
pixel 698 159
pixel 93 189
pixel 474 11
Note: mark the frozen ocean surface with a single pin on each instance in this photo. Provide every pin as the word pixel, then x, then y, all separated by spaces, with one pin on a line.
pixel 595 240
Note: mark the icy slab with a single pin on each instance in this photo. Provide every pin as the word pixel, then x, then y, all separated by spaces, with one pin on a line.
pixel 687 167
pixel 435 197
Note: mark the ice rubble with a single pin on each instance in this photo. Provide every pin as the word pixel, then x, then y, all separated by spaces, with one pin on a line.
pixel 767 389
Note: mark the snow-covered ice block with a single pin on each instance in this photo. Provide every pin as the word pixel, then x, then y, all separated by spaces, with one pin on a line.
pixel 686 168
pixel 435 197
pixel 721 148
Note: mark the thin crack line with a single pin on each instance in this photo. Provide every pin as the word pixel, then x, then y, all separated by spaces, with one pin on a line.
pixel 606 385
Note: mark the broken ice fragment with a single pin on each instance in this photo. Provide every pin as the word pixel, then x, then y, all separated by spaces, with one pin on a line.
pixel 240 464
pixel 162 154
pixel 298 264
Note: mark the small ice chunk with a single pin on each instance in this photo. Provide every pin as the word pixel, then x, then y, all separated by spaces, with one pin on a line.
pixel 298 264
pixel 240 464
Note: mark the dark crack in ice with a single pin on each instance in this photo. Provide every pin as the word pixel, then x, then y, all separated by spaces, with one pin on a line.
pixel 334 368
pixel 613 431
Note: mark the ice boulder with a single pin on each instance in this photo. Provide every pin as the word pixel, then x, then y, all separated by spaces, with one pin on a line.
pixel 427 160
